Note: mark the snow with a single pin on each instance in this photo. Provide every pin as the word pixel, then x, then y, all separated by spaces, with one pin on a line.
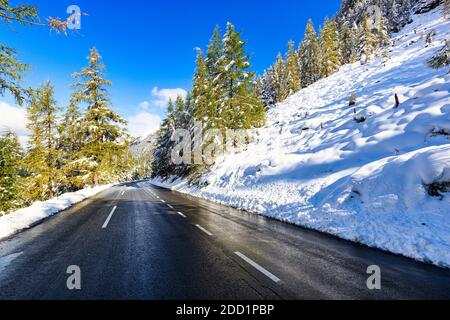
pixel 27 217
pixel 364 182
pixel 228 66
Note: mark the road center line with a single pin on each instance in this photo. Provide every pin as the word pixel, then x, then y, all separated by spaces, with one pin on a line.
pixel 163 201
pixel 204 230
pixel 109 217
pixel 170 206
pixel 258 267
pixel 123 192
pixel 182 215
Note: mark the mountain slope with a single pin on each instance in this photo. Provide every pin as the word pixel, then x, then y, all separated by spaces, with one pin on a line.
pixel 143 146
pixel 315 166
pixel 397 12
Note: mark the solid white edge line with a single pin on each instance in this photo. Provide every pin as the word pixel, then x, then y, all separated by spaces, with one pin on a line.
pixel 258 267
pixel 109 217
pixel 204 230
pixel 181 214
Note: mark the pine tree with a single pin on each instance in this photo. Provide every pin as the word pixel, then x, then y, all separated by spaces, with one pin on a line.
pixel 242 108
pixel 10 173
pixel 199 110
pixel 23 14
pixel 348 46
pixel 11 73
pixel 216 81
pixel 265 88
pixel 162 165
pixel 321 46
pixel 70 144
pixel 310 56
pixel 394 16
pixel 334 30
pixel 223 97
pixel 292 70
pixel 104 137
pixel 330 49
pixel 181 114
pixel 383 33
pixel 11 70
pixel 28 15
pixel 274 77
pixel 407 10
pixel 43 157
pixel 192 127
pixel 201 89
pixel 280 79
pixel 179 104
pixel 189 107
pixel 441 58
pixel 366 40
pixel 171 109
pixel 214 54
pixel 184 120
pixel 69 129
pixel 446 8
pixel 188 102
pixel 336 39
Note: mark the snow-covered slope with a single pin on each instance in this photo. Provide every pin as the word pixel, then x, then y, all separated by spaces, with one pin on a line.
pixel 314 166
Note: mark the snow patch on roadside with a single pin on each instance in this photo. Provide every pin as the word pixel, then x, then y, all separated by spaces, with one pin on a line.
pixel 25 218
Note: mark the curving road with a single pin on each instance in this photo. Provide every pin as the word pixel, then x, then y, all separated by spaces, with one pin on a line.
pixel 135 241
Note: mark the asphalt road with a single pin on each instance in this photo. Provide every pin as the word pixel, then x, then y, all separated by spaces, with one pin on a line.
pixel 158 244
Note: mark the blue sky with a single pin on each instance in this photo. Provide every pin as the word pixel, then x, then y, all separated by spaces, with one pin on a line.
pixel 148 46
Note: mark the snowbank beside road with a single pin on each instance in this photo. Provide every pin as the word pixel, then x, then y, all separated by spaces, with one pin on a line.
pixel 27 217
pixel 315 166
pixel 386 204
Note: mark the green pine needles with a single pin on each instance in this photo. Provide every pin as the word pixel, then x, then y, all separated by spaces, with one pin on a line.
pixel 223 97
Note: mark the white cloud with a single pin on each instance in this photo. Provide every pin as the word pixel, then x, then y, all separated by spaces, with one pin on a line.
pixel 14 119
pixel 144 105
pixel 161 96
pixel 143 124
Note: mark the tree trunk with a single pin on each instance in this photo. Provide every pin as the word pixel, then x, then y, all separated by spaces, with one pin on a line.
pixel 95 178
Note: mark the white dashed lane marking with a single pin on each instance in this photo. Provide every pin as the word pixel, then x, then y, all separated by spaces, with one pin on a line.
pixel 258 267
pixel 204 230
pixel 109 217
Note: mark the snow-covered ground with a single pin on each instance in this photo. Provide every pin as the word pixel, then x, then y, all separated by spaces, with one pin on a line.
pixel 363 182
pixel 25 218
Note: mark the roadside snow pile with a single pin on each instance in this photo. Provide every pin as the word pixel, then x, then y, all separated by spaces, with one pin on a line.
pixel 27 217
pixel 367 181
pixel 396 181
pixel 387 204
